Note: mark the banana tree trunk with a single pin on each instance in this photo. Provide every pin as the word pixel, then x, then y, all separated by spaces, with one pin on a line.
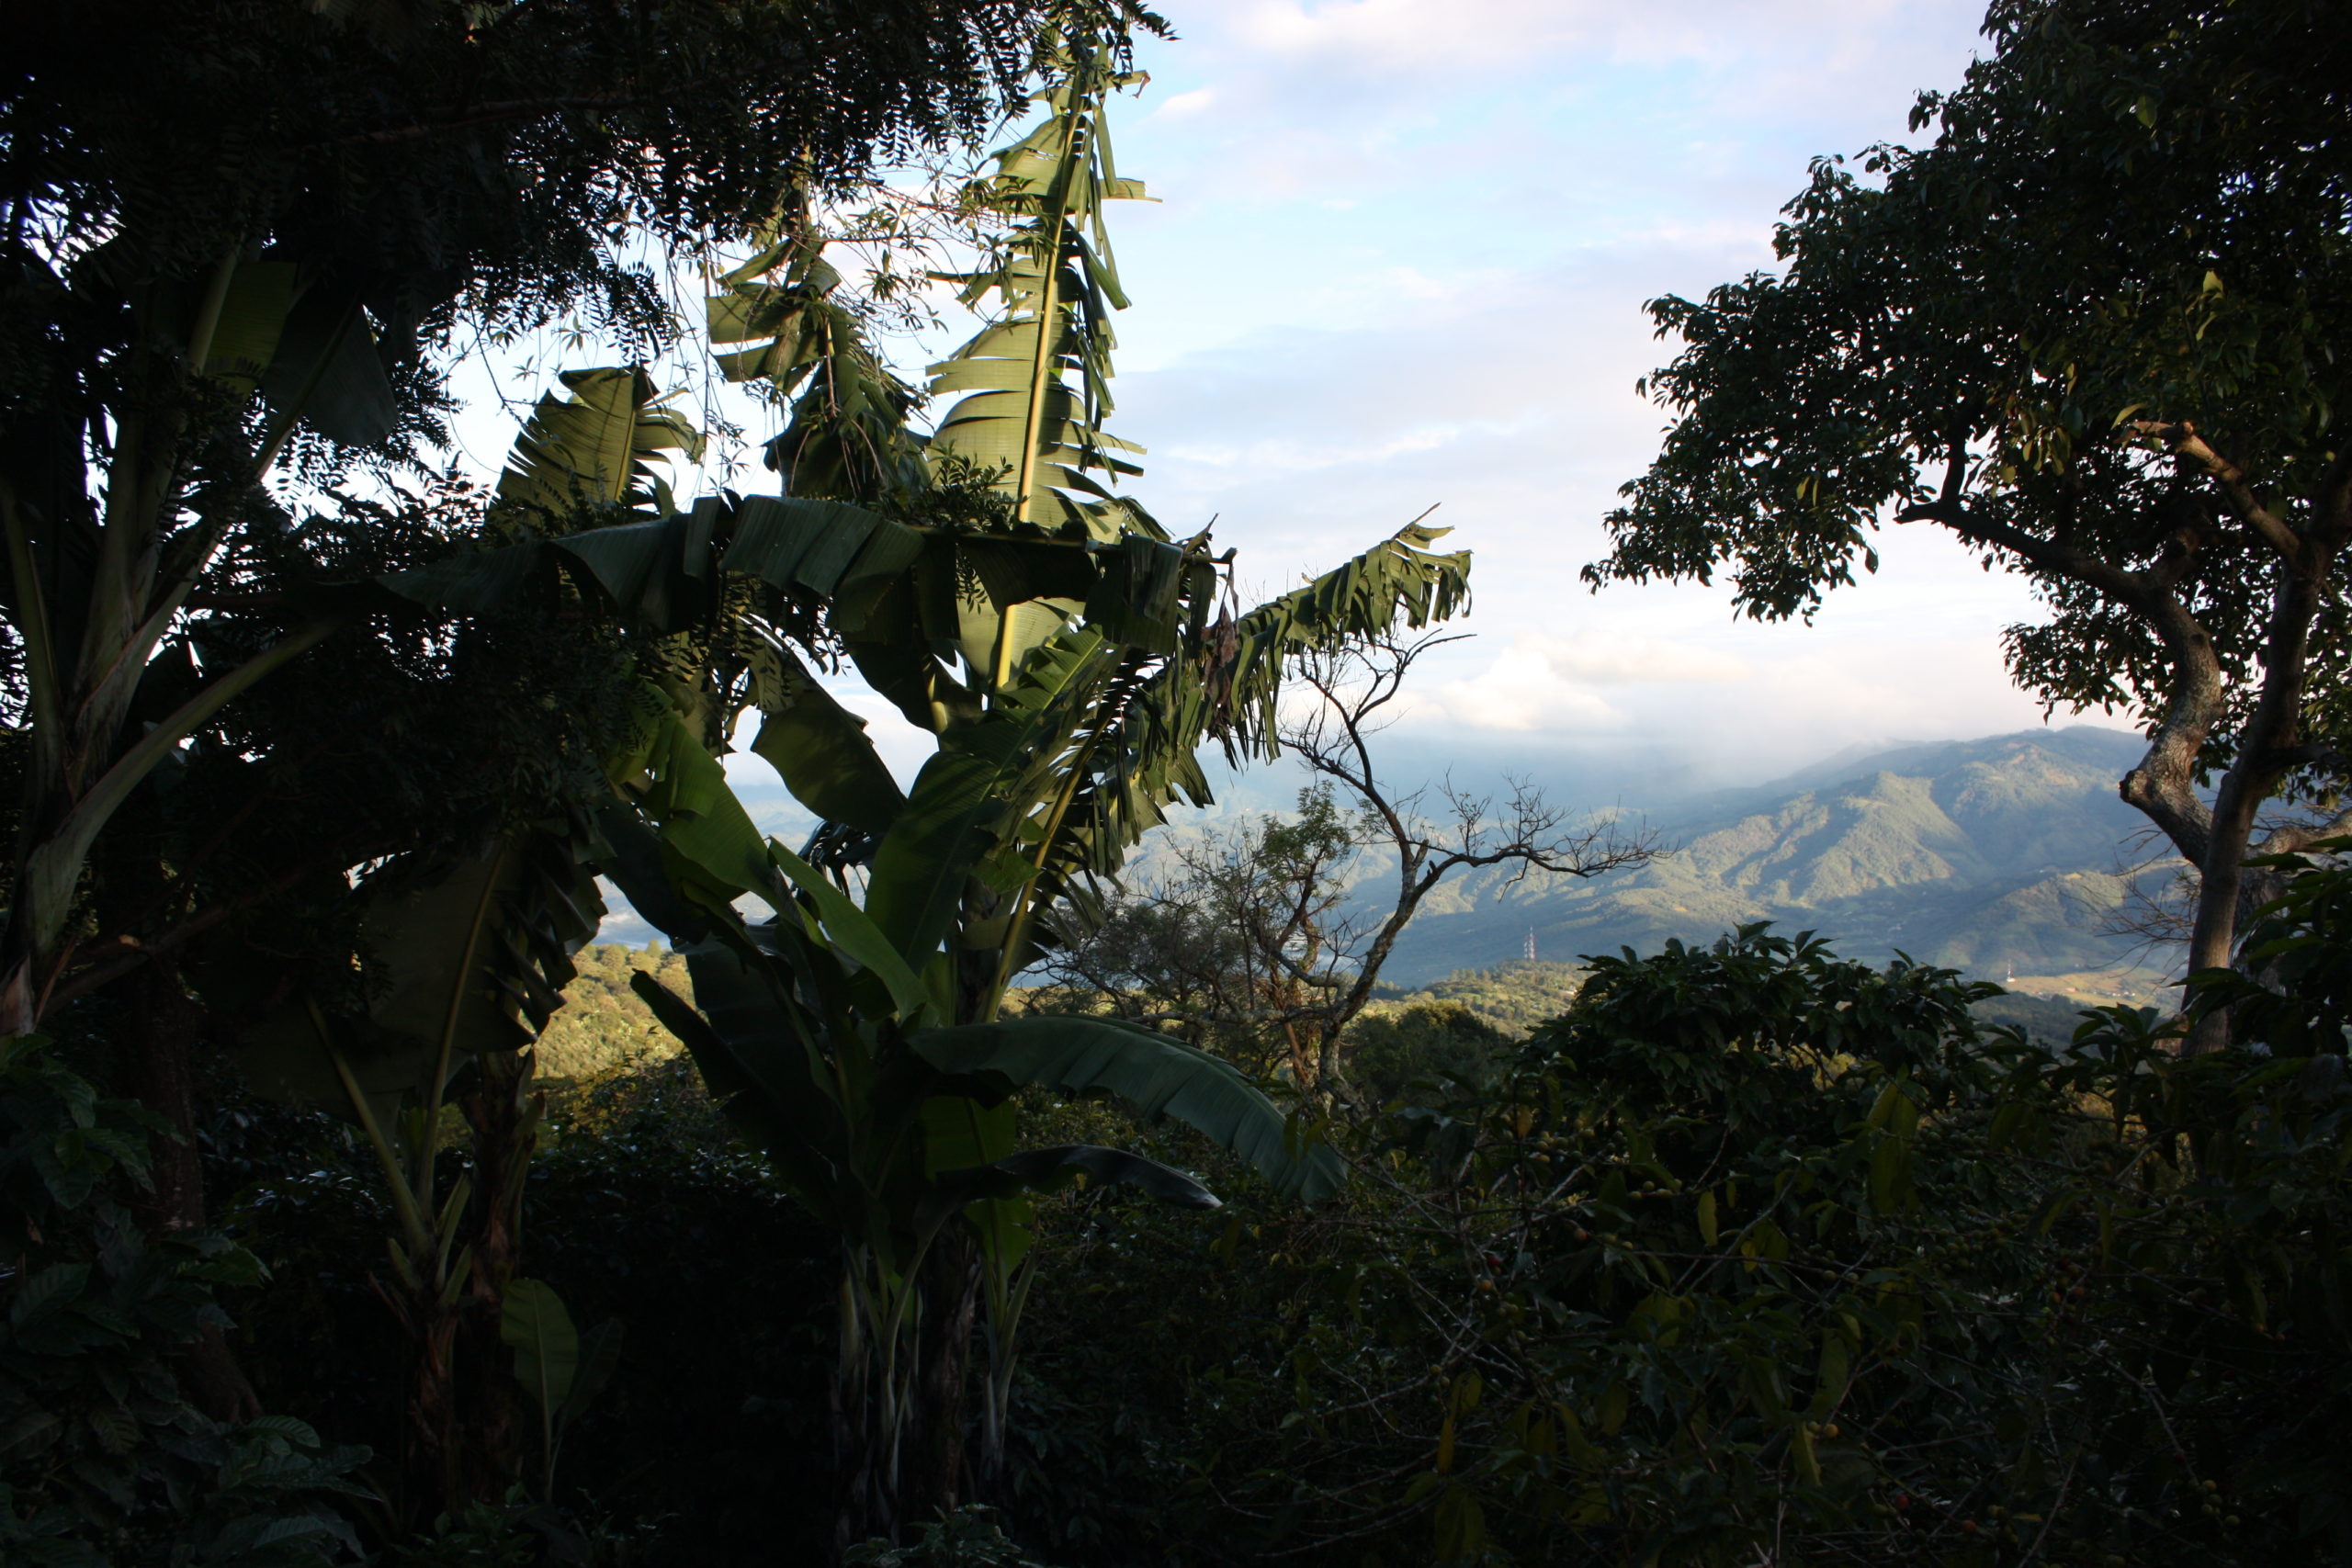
pixel 933 1481
pixel 898 1399
pixel 504 1111
pixel 159 1039
pixel 860 1401
pixel 431 1467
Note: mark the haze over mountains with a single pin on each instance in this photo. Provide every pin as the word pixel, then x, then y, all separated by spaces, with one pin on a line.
pixel 1985 855
pixel 1996 856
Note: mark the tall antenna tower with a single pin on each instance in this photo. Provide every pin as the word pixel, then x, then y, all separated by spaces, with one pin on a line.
pixel 1528 952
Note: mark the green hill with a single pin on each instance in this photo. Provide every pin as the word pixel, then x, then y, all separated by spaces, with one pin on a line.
pixel 1989 855
pixel 603 1024
pixel 1999 857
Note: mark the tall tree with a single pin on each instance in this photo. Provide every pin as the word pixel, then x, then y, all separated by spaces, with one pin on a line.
pixel 2097 330
pixel 244 232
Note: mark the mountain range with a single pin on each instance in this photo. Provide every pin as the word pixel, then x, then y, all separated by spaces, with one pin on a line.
pixel 2007 857
pixel 2009 854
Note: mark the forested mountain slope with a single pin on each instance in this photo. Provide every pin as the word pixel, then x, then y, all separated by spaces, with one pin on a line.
pixel 1985 855
pixel 1994 855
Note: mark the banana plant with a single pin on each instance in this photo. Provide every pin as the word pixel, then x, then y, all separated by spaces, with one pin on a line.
pixel 1070 661
pixel 1049 292
pixel 461 961
pixel 221 371
pixel 784 307
pixel 462 964
pixel 882 1116
pixel 563 1369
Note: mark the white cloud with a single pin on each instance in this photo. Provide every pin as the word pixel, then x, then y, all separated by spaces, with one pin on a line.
pixel 1546 683
pixel 1603 658
pixel 1521 692
pixel 1415 34
pixel 1183 104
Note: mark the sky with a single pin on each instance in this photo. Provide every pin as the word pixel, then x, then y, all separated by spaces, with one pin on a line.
pixel 1397 259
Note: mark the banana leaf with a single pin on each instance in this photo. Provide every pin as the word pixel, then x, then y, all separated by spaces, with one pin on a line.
pixel 472 955
pixel 596 446
pixel 760 1070
pixel 252 320
pixel 1155 1075
pixel 992 1197
pixel 819 748
pixel 828 548
pixel 983 779
pixel 324 367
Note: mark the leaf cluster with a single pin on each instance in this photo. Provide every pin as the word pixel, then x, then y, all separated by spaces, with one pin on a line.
pixel 105 1460
pixel 1758 1250
pixel 2130 222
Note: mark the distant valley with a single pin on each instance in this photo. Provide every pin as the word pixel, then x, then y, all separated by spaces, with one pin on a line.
pixel 1992 856
pixel 1999 856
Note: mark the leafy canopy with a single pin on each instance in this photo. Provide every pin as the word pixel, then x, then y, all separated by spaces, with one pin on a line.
pixel 2130 230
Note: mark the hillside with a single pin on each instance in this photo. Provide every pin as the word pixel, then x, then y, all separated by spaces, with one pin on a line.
pixel 1999 856
pixel 1989 855
pixel 603 1024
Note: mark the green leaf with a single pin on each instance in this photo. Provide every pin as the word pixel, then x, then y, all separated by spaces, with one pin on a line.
pixel 1889 1182
pixel 1800 1453
pixel 591 448
pixel 533 1323
pixel 968 796
pixel 600 1357
pixel 1156 1075
pixel 253 318
pixel 326 370
pixel 1832 1375
pixel 821 750
pixel 1460 1525
pixel 1054 286
pixel 826 546
pixel 47 1291
pixel 701 821
pixel 756 1066
pixel 659 573
pixel 477 950
pixel 472 584
pixel 855 933
pixel 1050 1166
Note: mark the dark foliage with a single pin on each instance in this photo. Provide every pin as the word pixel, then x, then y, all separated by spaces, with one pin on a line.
pixel 1755 1251
pixel 107 1461
pixel 708 1446
pixel 445 160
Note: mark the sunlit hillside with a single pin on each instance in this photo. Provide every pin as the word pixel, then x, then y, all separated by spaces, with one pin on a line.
pixel 2009 854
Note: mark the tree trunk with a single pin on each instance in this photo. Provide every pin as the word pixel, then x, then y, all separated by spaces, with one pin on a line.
pixel 432 1463
pixel 899 1420
pixel 159 1042
pixel 933 1479
pixel 2269 730
pixel 504 1111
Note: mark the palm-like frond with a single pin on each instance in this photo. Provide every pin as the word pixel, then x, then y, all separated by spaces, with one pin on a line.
pixel 594 448
pixel 1138 751
pixel 1054 285
pixel 461 959
pixel 847 439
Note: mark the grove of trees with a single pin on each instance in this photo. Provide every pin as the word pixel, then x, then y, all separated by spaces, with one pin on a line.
pixel 991 1209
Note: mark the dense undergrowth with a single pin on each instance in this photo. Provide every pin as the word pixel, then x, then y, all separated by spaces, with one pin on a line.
pixel 1754 1255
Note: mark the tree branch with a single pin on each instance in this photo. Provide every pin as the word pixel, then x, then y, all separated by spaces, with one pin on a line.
pixel 2163 785
pixel 2230 480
